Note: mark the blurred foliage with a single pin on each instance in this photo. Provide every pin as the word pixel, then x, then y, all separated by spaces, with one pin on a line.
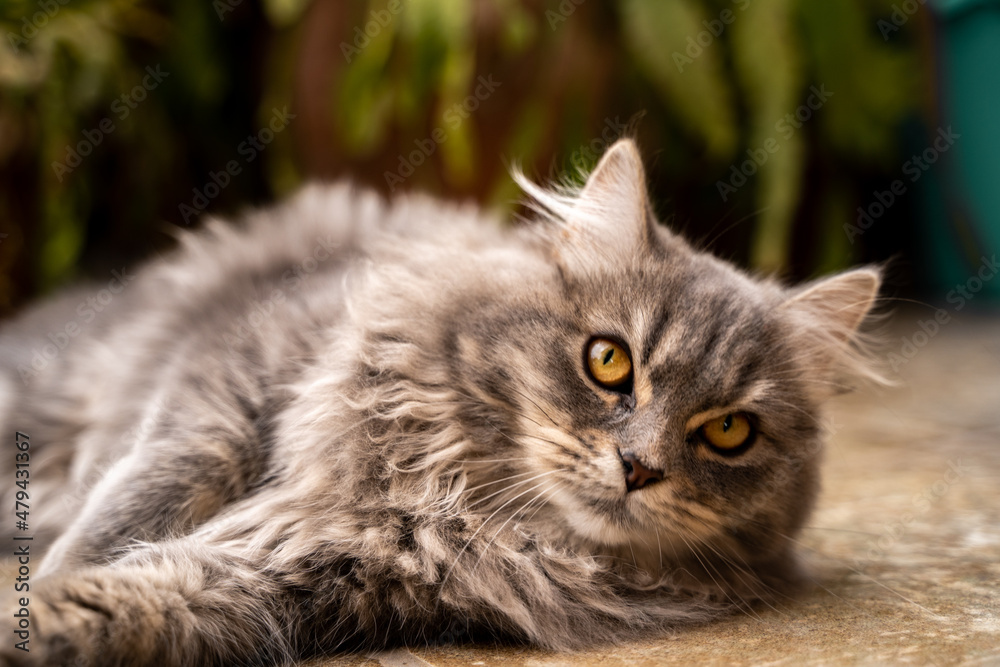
pixel 440 95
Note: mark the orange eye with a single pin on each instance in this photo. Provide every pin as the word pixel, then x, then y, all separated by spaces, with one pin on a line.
pixel 608 362
pixel 728 432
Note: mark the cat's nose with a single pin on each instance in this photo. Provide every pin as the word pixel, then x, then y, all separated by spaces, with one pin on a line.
pixel 637 475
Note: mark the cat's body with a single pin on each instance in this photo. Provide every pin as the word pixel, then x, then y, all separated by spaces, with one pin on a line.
pixel 350 423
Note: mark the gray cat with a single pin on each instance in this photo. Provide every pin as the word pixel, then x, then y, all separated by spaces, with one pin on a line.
pixel 348 424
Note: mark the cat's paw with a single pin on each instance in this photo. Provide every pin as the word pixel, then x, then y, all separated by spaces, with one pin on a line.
pixel 17 630
pixel 10 657
pixel 66 620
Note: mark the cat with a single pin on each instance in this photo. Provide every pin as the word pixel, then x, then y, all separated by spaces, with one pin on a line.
pixel 348 424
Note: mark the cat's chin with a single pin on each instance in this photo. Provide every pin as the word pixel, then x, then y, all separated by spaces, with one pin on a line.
pixel 629 534
pixel 650 551
pixel 613 528
pixel 597 529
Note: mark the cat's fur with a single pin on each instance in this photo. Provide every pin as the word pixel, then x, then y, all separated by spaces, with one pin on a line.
pixel 349 423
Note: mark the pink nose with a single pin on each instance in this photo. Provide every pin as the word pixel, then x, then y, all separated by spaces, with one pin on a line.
pixel 638 475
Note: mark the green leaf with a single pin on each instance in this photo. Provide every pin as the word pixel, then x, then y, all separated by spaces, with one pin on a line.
pixel 770 73
pixel 875 83
pixel 835 248
pixel 662 36
pixel 283 13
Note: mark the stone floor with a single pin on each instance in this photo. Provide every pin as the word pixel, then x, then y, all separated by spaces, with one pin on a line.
pixel 904 548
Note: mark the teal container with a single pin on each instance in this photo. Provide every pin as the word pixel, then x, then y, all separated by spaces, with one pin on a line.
pixel 961 204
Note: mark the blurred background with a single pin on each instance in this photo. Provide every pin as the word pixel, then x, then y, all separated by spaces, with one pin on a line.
pixel 791 136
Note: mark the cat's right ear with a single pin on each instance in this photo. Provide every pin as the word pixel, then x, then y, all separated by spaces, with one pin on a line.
pixel 608 222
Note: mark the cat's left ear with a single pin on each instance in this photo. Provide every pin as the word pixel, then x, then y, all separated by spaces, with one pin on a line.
pixel 837 305
pixel 610 221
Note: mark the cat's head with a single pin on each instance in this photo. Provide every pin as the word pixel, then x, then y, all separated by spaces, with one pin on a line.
pixel 655 397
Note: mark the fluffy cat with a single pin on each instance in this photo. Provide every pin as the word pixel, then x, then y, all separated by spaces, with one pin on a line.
pixel 348 424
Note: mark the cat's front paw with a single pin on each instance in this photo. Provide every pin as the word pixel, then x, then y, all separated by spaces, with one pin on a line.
pixel 69 624
pixel 17 644
pixel 17 658
pixel 24 650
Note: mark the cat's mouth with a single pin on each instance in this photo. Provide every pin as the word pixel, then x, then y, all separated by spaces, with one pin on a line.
pixel 647 540
pixel 630 522
pixel 607 519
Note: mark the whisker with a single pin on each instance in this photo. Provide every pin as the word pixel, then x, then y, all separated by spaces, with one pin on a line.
pixel 481 526
pixel 841 530
pixel 731 225
pixel 507 460
pixel 516 484
pixel 802 545
pixel 740 570
pixel 699 556
pixel 554 487
pixel 532 401
pixel 513 514
pixel 484 485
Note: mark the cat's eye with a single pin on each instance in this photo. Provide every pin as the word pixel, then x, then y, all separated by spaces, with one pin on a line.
pixel 609 363
pixel 728 434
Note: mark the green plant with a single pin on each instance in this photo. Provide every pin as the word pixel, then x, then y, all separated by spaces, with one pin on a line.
pixel 374 81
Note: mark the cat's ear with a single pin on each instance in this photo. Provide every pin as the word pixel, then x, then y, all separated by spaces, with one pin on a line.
pixel 837 305
pixel 617 189
pixel 607 222
pixel 610 219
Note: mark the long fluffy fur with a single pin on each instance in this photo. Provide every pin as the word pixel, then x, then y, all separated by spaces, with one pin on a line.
pixel 347 423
